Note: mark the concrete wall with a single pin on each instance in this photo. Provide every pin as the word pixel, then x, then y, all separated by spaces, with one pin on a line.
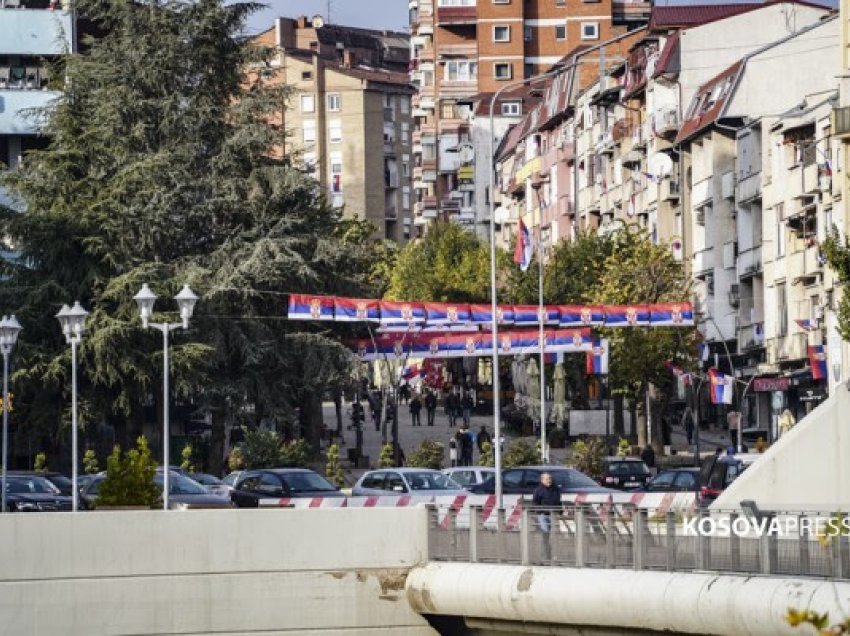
pixel 677 602
pixel 217 571
pixel 808 468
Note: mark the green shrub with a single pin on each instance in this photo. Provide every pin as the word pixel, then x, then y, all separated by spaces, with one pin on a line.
pixel 261 448
pixel 294 454
pixel 486 458
pixel 333 469
pixel 557 438
pixel 186 459
pixel 520 453
pixel 40 462
pixel 90 465
pixel 386 459
pixel 589 457
pixel 130 478
pixel 236 460
pixel 428 455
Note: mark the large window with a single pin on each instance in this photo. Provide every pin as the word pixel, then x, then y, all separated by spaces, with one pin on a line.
pixel 502 71
pixel 308 104
pixel 589 30
pixel 511 109
pixel 309 128
pixel 335 131
pixel 782 306
pixel 334 102
pixel 501 33
pixel 461 71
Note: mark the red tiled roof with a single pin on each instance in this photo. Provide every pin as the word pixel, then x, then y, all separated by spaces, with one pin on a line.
pixel 678 17
pixel 668 55
pixel 703 120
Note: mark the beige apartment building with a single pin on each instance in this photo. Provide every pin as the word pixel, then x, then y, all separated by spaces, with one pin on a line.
pixel 349 118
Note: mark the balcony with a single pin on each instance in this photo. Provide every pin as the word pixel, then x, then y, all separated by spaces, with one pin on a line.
pixel 751 337
pixel 749 263
pixel 841 122
pixel 727 185
pixel 749 187
pixel 703 261
pixel 669 190
pixel 702 193
pixel 457 15
pixel 35 32
pixel 19 108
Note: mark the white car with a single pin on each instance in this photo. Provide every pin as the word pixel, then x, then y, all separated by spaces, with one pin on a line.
pixel 469 475
pixel 406 481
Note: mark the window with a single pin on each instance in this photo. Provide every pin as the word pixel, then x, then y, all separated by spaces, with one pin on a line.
pixel 560 3
pixel 501 33
pixel 374 480
pixel 335 131
pixel 405 199
pixel 308 104
pixel 589 30
pixel 512 478
pixel 269 483
pixel 389 100
pixel 664 482
pixel 405 166
pixel 310 163
pixel 405 132
pixel 686 481
pixel 309 128
pixel 511 109
pixel 502 71
pixel 461 71
pixel 528 69
pixel 404 101
pixel 395 482
pixel 782 304
pixel 336 172
pixel 561 32
pixel 528 34
pixel 306 76
pixel 781 232
pixel 334 102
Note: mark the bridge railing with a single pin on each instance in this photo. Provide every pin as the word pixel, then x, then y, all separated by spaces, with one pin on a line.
pixel 785 543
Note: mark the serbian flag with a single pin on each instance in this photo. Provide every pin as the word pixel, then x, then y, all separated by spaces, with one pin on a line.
pixel 525 315
pixel 483 314
pixel 597 358
pixel 722 386
pixel 806 324
pixel 569 340
pixel 678 371
pixel 412 372
pixel 817 359
pixel 524 247
pixel 365 349
pixel 827 168
pixel 446 313
pixel 356 310
pixel 308 307
pixel 671 315
pixel 581 315
pixel 627 315
pixel 703 351
pixel 399 312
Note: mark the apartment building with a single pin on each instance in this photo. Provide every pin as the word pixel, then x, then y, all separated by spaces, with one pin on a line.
pixel 350 116
pixel 31 32
pixel 462 53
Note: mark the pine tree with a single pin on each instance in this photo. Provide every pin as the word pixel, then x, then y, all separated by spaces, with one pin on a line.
pixel 90 465
pixel 333 469
pixel 387 458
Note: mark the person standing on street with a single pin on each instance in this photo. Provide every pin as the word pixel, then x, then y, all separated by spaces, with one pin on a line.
pixel 468 405
pixel 688 417
pixel 547 498
pixel 431 407
pixel 451 408
pixel 453 451
pixel 648 457
pixel 415 408
pixel 484 436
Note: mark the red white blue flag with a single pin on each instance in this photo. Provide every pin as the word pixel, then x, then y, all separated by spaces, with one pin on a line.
pixel 309 307
pixel 722 387
pixel 597 358
pixel 817 359
pixel 524 247
pixel 806 325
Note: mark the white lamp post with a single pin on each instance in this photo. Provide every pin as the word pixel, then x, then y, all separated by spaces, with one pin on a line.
pixel 186 300
pixel 73 321
pixel 9 330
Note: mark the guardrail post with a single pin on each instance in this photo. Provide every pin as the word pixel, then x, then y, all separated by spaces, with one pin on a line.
pixel 610 537
pixel 580 536
pixel 767 552
pixel 639 540
pixel 432 525
pixel 670 539
pixel 703 554
pixel 500 534
pixel 837 569
pixel 734 544
pixel 525 537
pixel 803 545
pixel 473 533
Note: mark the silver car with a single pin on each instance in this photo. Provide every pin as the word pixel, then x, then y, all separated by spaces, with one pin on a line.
pixel 469 475
pixel 406 481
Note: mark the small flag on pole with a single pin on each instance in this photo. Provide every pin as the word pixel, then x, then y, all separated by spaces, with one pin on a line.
pixel 722 386
pixel 524 247
pixel 597 358
pixel 817 359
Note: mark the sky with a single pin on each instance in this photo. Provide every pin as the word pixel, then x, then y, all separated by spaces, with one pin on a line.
pixel 375 14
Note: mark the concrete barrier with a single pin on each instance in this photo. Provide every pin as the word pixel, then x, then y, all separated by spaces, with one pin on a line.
pixel 210 571
pixel 627 600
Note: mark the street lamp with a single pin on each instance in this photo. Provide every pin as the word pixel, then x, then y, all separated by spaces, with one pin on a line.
pixel 9 330
pixel 73 321
pixel 186 300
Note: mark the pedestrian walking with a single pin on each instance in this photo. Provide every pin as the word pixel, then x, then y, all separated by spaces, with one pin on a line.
pixel 451 408
pixel 431 407
pixel 688 418
pixel 547 499
pixel 468 405
pixel 483 437
pixel 465 445
pixel 415 408
pixel 453 451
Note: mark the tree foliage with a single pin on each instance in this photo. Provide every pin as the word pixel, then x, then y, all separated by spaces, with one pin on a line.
pixel 837 253
pixel 90 465
pixel 520 453
pixel 333 469
pixel 130 478
pixel 589 456
pixel 428 455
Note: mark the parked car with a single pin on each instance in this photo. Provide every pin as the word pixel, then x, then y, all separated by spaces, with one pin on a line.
pixel 213 484
pixel 59 480
pixel 467 476
pixel 523 481
pixel 33 493
pixel 230 478
pixel 718 471
pixel 184 493
pixel 406 481
pixel 625 473
pixel 253 485
pixel 674 480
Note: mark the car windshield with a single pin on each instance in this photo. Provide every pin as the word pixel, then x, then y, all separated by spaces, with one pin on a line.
pixel 37 485
pixel 572 479
pixel 306 482
pixel 60 481
pixel 205 479
pixel 180 485
pixel 230 480
pixel 430 481
pixel 628 469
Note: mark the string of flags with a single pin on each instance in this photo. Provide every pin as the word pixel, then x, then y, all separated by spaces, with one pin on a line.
pixel 406 315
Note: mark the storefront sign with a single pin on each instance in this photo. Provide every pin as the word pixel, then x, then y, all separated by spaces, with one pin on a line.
pixel 764 385
pixel 812 395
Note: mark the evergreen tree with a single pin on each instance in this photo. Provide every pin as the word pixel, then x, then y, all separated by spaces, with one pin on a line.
pixel 162 168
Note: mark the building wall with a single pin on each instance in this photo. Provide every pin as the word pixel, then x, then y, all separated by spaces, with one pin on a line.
pixel 211 571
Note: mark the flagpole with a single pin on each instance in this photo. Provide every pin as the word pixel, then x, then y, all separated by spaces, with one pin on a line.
pixel 542 319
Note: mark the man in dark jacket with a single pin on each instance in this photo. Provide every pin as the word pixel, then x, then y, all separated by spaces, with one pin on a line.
pixel 431 407
pixel 415 407
pixel 547 496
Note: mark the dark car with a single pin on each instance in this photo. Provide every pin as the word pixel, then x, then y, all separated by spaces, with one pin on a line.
pixel 674 480
pixel 523 481
pixel 33 493
pixel 59 480
pixel 625 473
pixel 253 485
pixel 184 493
pixel 718 471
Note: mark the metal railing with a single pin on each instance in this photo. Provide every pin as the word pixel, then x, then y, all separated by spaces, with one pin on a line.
pixel 612 536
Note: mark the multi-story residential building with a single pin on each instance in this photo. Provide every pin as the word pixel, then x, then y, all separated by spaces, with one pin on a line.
pixel 350 116
pixel 31 32
pixel 463 52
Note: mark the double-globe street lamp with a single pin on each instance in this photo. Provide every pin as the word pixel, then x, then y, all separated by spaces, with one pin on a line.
pixel 9 330
pixel 73 321
pixel 186 300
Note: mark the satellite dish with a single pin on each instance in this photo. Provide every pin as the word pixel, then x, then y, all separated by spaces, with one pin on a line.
pixel 466 154
pixel 317 21
pixel 660 164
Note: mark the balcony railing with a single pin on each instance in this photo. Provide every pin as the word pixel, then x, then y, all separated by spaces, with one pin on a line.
pixel 841 121
pixel 457 15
